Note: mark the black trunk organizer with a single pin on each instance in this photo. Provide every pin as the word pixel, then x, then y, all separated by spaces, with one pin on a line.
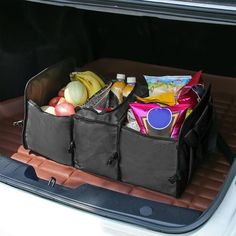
pixel 99 142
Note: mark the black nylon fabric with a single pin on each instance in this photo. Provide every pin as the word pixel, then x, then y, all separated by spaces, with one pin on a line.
pixel 148 162
pixel 168 165
pixel 46 84
pixel 48 135
pixel 113 117
pixel 196 113
pixel 97 138
pixel 96 147
pixel 195 135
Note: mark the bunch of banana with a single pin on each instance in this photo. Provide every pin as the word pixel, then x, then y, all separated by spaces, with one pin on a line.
pixel 91 81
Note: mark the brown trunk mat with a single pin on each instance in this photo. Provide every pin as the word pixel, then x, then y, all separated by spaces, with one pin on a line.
pixel 199 194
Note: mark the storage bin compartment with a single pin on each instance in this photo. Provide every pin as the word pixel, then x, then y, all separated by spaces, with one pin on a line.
pixel 48 135
pixel 96 146
pixel 43 133
pixel 165 164
pixel 147 161
pixel 97 137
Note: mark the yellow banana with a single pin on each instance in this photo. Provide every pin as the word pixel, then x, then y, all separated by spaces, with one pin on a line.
pixel 95 84
pixel 95 76
pixel 88 86
pixel 91 84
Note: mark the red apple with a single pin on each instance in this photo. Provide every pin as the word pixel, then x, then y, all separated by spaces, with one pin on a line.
pixel 54 101
pixel 62 99
pixel 64 109
pixel 61 92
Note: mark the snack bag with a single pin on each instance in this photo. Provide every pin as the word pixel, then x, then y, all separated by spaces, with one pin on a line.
pixel 166 84
pixel 131 121
pixel 192 92
pixel 164 98
pixel 156 120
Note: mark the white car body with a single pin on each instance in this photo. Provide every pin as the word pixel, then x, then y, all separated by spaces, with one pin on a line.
pixel 33 215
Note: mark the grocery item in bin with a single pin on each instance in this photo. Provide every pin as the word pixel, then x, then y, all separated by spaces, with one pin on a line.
pixel 192 92
pixel 100 100
pixel 131 121
pixel 141 110
pixel 164 98
pixel 131 81
pixel 48 109
pixel 92 82
pixel 118 86
pixel 76 93
pixel 164 84
pixel 64 109
pixel 159 121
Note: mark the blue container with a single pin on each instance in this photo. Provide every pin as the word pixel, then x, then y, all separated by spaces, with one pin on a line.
pixel 159 121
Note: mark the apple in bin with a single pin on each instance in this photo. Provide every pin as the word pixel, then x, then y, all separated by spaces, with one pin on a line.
pixel 61 92
pixel 53 102
pixel 56 100
pixel 62 99
pixel 64 109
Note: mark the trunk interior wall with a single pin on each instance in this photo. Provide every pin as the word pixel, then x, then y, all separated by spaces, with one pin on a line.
pixel 37 35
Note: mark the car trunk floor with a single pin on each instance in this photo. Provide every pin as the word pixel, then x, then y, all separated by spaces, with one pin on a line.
pixel 204 186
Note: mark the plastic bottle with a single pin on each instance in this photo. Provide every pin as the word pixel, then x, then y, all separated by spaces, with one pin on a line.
pixel 129 87
pixel 118 87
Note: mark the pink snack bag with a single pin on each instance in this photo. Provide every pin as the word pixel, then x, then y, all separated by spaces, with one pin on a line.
pixel 141 110
pixel 191 93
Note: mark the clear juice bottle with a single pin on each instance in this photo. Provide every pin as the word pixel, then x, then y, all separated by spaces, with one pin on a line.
pixel 118 87
pixel 131 81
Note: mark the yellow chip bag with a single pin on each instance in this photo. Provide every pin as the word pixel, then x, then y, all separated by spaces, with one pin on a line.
pixel 164 98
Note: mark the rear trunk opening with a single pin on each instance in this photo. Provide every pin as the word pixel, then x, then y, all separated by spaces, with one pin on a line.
pixel 38 35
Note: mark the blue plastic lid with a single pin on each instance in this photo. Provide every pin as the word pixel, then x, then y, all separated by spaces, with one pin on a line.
pixel 159 118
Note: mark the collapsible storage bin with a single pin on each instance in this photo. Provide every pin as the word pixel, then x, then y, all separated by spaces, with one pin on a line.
pixel 101 144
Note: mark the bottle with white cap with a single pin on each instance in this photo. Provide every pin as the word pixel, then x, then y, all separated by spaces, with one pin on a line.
pixel 118 87
pixel 131 81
